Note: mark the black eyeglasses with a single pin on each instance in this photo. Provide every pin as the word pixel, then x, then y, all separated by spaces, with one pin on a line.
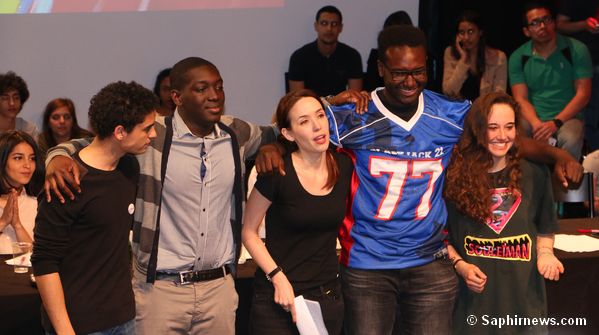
pixel 401 75
pixel 537 22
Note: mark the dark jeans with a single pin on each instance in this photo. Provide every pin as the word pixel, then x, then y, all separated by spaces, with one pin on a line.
pixel 127 328
pixel 417 300
pixel 268 317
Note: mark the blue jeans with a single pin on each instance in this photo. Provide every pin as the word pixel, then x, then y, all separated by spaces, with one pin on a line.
pixel 127 328
pixel 417 300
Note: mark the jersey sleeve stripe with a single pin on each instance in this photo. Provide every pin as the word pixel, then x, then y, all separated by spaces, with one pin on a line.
pixel 444 120
pixel 364 126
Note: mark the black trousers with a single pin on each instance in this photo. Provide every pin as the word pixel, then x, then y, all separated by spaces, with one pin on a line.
pixel 269 318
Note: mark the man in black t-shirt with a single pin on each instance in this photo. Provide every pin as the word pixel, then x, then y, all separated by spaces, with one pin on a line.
pixel 326 65
pixel 81 256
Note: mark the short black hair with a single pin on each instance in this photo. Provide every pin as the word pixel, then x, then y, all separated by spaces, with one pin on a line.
pixel 530 5
pixel 11 80
pixel 159 78
pixel 179 71
pixel 397 18
pixel 401 35
pixel 120 104
pixel 329 9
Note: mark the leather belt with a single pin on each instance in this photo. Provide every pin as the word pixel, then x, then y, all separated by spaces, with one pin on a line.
pixel 191 276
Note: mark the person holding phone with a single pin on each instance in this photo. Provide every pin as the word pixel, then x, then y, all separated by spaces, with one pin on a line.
pixel 471 68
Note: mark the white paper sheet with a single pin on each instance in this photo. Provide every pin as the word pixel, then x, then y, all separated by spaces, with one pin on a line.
pixel 309 317
pixel 24 260
pixel 576 243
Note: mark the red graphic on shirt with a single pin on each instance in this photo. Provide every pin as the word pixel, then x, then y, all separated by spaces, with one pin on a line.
pixel 504 204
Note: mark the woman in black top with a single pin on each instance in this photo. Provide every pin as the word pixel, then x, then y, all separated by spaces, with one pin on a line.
pixel 304 210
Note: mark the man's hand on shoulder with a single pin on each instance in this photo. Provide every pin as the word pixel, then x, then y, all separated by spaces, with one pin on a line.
pixel 62 174
pixel 270 159
pixel 360 98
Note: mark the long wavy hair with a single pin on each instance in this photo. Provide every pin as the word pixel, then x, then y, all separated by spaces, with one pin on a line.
pixel 282 116
pixel 474 18
pixel 8 141
pixel 468 182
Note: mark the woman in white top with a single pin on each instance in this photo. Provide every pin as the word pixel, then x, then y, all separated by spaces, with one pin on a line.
pixel 21 178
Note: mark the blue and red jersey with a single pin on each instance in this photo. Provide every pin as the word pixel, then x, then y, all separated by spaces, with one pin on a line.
pixel 396 214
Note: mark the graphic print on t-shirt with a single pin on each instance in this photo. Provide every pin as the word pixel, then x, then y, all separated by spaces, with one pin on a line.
pixel 504 203
pixel 511 248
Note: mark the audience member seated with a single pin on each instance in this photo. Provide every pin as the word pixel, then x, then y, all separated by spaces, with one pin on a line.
pixel 372 79
pixel 59 124
pixel 162 89
pixel 580 19
pixel 21 177
pixel 471 68
pixel 13 95
pixel 326 65
pixel 550 76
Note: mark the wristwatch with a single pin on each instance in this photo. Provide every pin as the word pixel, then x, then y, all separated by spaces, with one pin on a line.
pixel 558 123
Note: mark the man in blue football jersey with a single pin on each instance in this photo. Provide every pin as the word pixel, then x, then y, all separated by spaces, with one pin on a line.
pixel 395 273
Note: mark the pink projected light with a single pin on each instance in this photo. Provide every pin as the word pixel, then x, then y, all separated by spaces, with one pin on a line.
pixel 86 6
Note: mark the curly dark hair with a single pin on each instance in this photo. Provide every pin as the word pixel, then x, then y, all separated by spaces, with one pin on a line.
pixel 468 182
pixel 8 141
pixel 120 104
pixel 400 35
pixel 11 80
pixel 76 130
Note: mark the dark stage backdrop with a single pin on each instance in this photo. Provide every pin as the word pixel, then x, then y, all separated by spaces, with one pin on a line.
pixel 503 20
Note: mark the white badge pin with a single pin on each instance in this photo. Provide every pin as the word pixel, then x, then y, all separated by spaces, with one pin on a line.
pixel 131 208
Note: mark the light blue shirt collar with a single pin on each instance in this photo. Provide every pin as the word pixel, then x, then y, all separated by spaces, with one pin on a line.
pixel 181 130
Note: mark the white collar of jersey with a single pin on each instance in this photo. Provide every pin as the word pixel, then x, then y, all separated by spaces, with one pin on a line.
pixel 407 125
